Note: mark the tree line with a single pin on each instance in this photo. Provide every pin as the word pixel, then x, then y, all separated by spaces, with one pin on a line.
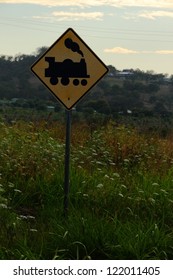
pixel 141 92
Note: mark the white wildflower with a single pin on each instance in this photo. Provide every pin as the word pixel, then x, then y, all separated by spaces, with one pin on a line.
pixel 155 184
pixel 99 186
pixel 33 230
pixel 121 195
pixel 116 175
pixel 4 206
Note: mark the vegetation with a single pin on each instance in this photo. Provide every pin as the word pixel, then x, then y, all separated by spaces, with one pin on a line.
pixel 142 99
pixel 121 186
pixel 121 193
pixel 137 91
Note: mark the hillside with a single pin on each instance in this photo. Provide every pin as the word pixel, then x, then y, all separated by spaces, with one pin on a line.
pixel 131 91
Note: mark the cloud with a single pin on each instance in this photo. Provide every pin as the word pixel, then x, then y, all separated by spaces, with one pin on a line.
pixel 164 52
pixel 69 16
pixel 61 15
pixel 61 3
pixel 120 50
pixel 96 3
pixel 155 14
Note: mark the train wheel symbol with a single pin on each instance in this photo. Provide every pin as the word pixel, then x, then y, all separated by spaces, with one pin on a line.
pixel 84 82
pixel 54 80
pixel 65 81
pixel 75 82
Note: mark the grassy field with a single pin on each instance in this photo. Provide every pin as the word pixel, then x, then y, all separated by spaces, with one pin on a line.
pixel 121 193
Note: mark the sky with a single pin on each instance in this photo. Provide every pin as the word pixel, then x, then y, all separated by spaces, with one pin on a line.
pixel 127 34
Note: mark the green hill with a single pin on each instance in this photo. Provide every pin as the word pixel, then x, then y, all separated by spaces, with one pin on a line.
pixel 119 92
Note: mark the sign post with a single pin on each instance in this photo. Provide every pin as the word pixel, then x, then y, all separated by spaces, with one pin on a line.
pixel 69 69
pixel 67 161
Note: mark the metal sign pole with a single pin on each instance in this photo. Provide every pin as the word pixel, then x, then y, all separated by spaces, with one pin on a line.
pixel 67 161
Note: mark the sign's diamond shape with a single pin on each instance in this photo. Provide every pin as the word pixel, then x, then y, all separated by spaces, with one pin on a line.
pixel 69 68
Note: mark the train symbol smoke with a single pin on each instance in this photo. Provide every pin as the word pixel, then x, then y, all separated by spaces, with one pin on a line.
pixel 73 46
pixel 68 68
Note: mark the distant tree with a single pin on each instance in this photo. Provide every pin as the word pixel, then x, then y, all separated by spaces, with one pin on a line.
pixel 134 86
pixel 41 50
pixel 58 107
pixel 159 107
pixel 115 90
pixel 112 70
pixel 152 87
pixel 103 84
pixel 171 79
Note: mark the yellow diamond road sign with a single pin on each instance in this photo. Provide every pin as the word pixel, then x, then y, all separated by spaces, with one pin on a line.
pixel 69 68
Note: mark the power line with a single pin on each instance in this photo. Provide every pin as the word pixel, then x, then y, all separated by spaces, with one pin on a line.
pixel 37 25
pixel 95 36
pixel 100 29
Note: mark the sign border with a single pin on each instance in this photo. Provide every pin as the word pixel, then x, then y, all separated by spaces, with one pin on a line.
pixel 69 29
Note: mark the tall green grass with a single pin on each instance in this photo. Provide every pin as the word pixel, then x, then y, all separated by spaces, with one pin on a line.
pixel 121 193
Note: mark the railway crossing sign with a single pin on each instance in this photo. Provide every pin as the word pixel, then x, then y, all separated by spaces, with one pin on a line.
pixel 69 68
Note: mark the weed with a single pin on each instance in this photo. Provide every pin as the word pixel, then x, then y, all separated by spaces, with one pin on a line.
pixel 121 193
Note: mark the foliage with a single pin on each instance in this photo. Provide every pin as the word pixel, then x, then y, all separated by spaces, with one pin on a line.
pixel 112 95
pixel 121 197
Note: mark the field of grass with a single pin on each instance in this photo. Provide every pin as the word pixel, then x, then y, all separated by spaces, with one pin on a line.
pixel 121 193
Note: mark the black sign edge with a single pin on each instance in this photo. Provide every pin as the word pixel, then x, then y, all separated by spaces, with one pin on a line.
pixel 48 50
pixel 57 98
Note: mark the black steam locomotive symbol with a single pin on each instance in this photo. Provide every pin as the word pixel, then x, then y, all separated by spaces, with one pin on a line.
pixel 67 69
